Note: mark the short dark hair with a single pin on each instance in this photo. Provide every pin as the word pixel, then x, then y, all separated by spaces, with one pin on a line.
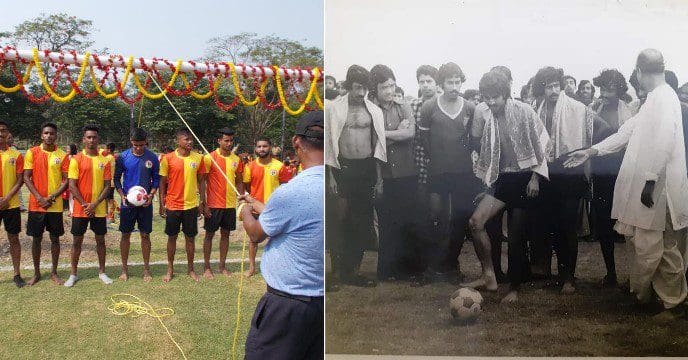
pixel 468 94
pixel 379 74
pixel 91 127
pixel 449 70
pixel 671 79
pixel 263 138
pixel 525 89
pixel 504 70
pixel 582 84
pixel 495 83
pixel 428 70
pixel 111 147
pixel 225 131
pixel 182 131
pixel 4 123
pixel 358 74
pixel 330 77
pixel 139 134
pixel 167 149
pixel 399 90
pixel 48 124
pixel 72 149
pixel 544 76
pixel 565 77
pixel 611 78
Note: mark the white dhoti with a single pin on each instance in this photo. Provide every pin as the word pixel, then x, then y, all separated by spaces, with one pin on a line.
pixel 657 263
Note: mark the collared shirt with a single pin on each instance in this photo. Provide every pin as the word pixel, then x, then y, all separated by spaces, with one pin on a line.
pixel 421 160
pixel 90 172
pixel 46 174
pixel 11 164
pixel 220 194
pixel 138 170
pixel 182 181
pixel 293 219
pixel 399 153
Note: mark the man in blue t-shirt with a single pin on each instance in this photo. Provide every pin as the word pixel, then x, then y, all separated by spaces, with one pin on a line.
pixel 140 167
pixel 288 321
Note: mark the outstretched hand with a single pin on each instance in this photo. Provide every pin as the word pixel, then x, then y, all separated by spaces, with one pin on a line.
pixel 577 158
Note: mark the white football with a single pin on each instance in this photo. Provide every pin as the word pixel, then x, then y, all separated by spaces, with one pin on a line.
pixel 466 305
pixel 137 196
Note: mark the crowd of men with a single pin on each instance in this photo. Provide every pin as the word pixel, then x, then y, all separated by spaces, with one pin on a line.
pixel 187 183
pixel 449 166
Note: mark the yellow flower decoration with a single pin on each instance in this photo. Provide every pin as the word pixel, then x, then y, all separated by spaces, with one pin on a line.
pixel 114 94
pixel 164 91
pixel 47 86
pixel 24 79
pixel 280 91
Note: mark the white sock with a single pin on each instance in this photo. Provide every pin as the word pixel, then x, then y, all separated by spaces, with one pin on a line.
pixel 105 278
pixel 70 282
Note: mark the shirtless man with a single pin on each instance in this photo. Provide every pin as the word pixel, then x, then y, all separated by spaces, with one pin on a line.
pixel 356 142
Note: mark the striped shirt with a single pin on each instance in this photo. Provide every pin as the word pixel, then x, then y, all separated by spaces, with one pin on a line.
pixel 90 172
pixel 220 194
pixel 11 164
pixel 46 174
pixel 182 183
pixel 264 179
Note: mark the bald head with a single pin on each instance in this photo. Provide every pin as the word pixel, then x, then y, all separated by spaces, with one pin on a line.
pixel 650 61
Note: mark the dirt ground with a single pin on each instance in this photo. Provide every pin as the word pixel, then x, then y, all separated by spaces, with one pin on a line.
pixel 394 318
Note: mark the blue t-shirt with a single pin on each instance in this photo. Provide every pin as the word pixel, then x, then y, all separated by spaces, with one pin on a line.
pixel 137 170
pixel 293 219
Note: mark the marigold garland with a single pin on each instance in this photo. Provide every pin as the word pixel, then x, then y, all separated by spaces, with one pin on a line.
pixel 280 91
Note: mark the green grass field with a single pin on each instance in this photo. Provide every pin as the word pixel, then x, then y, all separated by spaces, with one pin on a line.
pixel 48 321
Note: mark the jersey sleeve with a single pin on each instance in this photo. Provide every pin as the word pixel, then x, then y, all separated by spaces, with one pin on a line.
pixel 164 168
pixel 20 164
pixel 107 172
pixel 201 165
pixel 240 167
pixel 28 160
pixel 247 175
pixel 284 174
pixel 73 172
pixel 207 163
pixel 274 219
pixel 65 164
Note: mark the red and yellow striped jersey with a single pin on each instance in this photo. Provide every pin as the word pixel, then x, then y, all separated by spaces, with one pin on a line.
pixel 90 172
pixel 220 194
pixel 11 164
pixel 264 179
pixel 182 184
pixel 111 158
pixel 47 168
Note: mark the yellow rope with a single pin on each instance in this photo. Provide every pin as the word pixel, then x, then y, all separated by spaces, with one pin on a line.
pixel 138 308
pixel 241 287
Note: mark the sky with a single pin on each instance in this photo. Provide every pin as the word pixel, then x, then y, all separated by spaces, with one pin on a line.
pixel 583 37
pixel 174 29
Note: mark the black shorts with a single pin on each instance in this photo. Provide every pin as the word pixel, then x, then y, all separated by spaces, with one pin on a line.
pixel 450 183
pixel 511 189
pixel 131 215
pixel 42 221
pixel 220 218
pixel 356 178
pixel 187 219
pixel 12 220
pixel 98 225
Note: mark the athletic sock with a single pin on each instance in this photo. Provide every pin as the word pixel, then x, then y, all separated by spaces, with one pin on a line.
pixel 105 278
pixel 18 281
pixel 70 282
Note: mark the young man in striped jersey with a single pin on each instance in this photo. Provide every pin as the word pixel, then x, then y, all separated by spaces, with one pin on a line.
pixel 11 168
pixel 139 167
pixel 89 182
pixel 181 178
pixel 45 175
pixel 220 213
pixel 262 176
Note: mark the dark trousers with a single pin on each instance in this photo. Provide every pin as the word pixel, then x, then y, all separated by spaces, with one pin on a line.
pixel 354 233
pixel 287 327
pixel 397 213
pixel 559 218
pixel 603 224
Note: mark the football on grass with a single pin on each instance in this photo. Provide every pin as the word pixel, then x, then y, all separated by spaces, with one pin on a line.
pixel 137 196
pixel 466 305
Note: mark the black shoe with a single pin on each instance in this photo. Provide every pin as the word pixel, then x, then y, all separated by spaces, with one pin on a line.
pixel 18 281
pixel 609 281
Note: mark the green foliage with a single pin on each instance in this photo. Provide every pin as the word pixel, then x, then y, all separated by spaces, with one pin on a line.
pixel 55 32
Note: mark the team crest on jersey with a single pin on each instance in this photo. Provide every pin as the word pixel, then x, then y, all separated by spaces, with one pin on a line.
pixel 234 165
pixel 149 164
pixel 13 161
pixel 193 164
pixel 101 166
pixel 273 172
pixel 56 161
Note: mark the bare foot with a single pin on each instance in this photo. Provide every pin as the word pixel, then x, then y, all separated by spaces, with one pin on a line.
pixel 147 276
pixel 168 277
pixel 568 288
pixel 208 274
pixel 124 276
pixel 664 317
pixel 486 283
pixel 56 279
pixel 36 278
pixel 194 276
pixel 250 272
pixel 225 272
pixel 510 298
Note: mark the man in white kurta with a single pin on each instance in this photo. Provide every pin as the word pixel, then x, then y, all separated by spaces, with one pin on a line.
pixel 654 169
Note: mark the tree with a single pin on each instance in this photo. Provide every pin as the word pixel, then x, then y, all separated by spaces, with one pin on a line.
pixel 55 32
pixel 249 48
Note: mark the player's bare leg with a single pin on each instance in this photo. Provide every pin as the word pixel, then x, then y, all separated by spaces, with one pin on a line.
pixel 146 250
pixel 36 255
pixel 486 209
pixel 252 251
pixel 171 250
pixel 224 248
pixel 207 249
pixel 190 248
pixel 124 251
pixel 55 255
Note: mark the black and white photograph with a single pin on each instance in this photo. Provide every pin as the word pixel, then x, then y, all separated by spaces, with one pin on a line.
pixel 506 178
